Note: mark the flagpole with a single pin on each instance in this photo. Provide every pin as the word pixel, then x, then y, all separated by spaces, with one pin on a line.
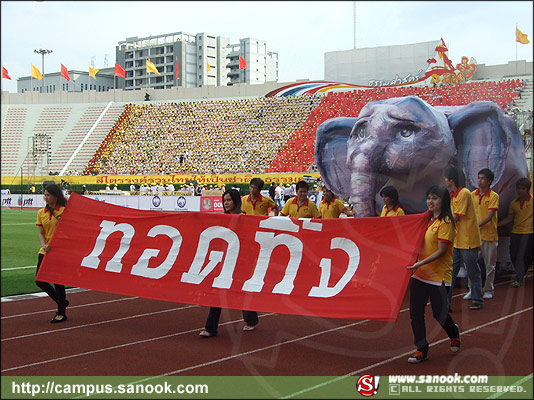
pixel 516 49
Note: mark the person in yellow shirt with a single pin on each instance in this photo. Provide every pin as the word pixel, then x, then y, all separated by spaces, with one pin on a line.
pixel 486 206
pixel 255 203
pixel 391 207
pixel 300 206
pixel 47 220
pixel 331 207
pixel 467 240
pixel 431 271
pixel 521 239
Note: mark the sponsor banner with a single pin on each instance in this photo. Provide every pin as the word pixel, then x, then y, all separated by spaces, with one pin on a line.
pixel 339 268
pixel 211 204
pixel 23 200
pixel 119 200
pixel 169 203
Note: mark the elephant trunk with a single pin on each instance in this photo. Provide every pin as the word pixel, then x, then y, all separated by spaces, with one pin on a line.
pixel 363 193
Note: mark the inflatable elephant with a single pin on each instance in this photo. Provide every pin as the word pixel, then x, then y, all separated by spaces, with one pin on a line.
pixel 407 143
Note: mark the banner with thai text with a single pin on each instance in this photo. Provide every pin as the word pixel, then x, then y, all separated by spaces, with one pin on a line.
pixel 340 268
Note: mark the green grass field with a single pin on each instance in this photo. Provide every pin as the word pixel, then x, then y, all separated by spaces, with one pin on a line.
pixel 19 248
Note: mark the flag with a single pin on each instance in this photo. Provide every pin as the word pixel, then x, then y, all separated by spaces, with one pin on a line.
pixel 119 71
pixel 65 73
pixel 242 63
pixel 93 72
pixel 177 75
pixel 5 74
pixel 150 67
pixel 521 37
pixel 208 64
pixel 36 73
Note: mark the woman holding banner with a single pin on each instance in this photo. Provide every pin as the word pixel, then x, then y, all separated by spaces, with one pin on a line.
pixel 47 220
pixel 232 205
pixel 431 273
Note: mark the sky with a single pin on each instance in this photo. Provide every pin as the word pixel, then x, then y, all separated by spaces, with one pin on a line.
pixel 301 31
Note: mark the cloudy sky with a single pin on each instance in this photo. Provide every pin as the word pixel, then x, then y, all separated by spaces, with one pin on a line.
pixel 301 31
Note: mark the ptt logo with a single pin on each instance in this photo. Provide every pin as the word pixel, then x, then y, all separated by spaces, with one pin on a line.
pixel 25 202
pixel 6 202
pixel 367 385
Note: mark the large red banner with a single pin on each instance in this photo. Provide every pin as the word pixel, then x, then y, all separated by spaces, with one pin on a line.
pixel 340 268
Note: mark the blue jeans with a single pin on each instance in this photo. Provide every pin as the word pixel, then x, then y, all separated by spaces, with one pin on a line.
pixel 469 258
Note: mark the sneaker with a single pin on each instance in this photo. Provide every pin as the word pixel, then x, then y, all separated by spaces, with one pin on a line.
pixel 488 295
pixel 205 333
pixel 248 328
pixel 417 357
pixel 455 342
pixel 468 296
pixel 516 284
pixel 476 307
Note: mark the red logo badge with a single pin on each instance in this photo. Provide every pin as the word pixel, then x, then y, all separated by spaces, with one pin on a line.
pixel 367 385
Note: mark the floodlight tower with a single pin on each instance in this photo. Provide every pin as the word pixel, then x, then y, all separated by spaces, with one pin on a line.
pixel 42 52
pixel 354 20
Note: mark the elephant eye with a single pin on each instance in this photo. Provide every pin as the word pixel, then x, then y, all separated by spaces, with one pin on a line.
pixel 406 131
pixel 359 131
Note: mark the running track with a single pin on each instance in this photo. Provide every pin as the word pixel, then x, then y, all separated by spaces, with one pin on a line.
pixel 113 335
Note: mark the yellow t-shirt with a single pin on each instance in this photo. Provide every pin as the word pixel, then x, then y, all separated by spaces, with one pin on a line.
pixel 468 234
pixel 48 222
pixel 260 207
pixel 484 203
pixel 332 209
pixel 307 210
pixel 522 215
pixel 439 270
pixel 397 210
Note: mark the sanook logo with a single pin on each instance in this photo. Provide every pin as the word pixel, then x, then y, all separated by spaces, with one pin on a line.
pixel 367 385
pixel 200 269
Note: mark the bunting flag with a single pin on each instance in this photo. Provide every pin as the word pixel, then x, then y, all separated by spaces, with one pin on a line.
pixel 242 63
pixel 119 71
pixel 94 71
pixel 65 73
pixel 5 74
pixel 150 67
pixel 208 65
pixel 36 73
pixel 338 268
pixel 521 37
pixel 177 75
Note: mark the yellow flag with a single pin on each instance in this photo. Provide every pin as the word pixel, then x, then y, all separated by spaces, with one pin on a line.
pixel 93 72
pixel 150 67
pixel 521 37
pixel 208 64
pixel 36 73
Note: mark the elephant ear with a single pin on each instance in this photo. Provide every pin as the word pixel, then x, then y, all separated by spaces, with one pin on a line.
pixel 482 134
pixel 331 154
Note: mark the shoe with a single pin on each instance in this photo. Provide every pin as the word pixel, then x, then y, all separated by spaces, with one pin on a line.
pixel 476 307
pixel 455 342
pixel 57 320
pixel 516 284
pixel 417 357
pixel 488 295
pixel 205 333
pixel 66 303
pixel 468 296
pixel 248 328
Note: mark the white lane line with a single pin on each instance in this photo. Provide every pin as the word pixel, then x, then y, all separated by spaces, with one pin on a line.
pixel 12 268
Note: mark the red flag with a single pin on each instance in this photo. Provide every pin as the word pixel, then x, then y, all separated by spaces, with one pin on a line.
pixel 328 268
pixel 242 63
pixel 119 71
pixel 65 73
pixel 5 74
pixel 177 77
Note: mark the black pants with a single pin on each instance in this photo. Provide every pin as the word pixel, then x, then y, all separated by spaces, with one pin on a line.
pixel 420 292
pixel 57 294
pixel 521 253
pixel 250 317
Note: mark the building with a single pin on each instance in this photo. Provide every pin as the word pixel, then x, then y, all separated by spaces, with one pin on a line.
pixel 189 60
pixel 79 81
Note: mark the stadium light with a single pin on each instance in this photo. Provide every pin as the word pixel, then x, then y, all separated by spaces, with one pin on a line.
pixel 42 52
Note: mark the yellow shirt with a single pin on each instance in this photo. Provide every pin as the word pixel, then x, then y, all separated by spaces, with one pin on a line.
pixel 332 209
pixel 522 215
pixel 260 207
pixel 484 203
pixel 307 210
pixel 468 235
pixel 48 222
pixel 438 270
pixel 393 212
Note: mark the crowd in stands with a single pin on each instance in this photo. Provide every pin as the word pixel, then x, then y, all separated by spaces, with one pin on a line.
pixel 275 134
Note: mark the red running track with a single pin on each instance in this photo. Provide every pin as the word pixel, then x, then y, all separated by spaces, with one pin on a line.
pixel 113 335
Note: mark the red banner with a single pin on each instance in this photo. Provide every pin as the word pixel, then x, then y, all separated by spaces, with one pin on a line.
pixel 340 268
